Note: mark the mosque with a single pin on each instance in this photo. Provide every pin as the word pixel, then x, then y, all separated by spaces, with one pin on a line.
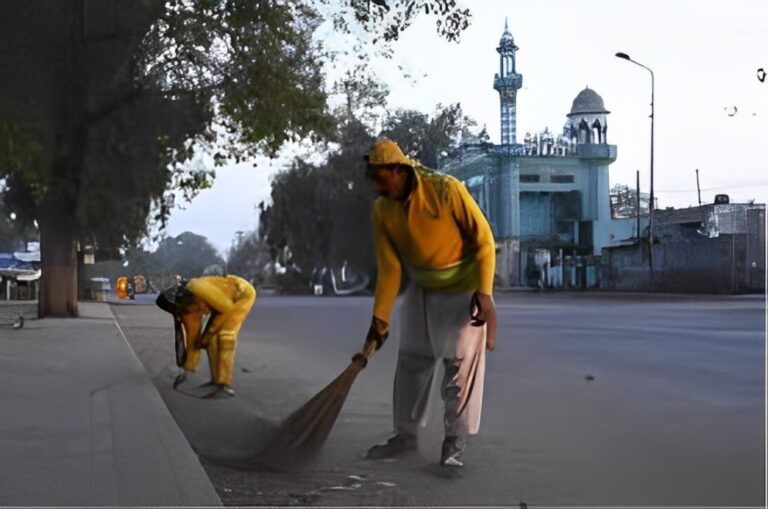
pixel 547 199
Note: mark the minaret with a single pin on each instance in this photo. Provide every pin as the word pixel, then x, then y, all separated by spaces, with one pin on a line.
pixel 507 82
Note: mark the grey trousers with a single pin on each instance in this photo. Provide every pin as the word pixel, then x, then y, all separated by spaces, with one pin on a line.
pixel 441 355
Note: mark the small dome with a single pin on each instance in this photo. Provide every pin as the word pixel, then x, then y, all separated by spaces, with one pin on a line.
pixel 588 101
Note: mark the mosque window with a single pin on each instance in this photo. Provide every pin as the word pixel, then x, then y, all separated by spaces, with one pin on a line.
pixel 529 179
pixel 561 179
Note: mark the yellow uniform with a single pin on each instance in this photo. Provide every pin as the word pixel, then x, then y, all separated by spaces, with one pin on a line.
pixel 439 233
pixel 429 223
pixel 230 299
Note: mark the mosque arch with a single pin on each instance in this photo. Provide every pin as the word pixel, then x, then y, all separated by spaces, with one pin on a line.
pixel 597 132
pixel 584 132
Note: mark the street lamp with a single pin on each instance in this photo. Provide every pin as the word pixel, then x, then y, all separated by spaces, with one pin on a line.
pixel 651 204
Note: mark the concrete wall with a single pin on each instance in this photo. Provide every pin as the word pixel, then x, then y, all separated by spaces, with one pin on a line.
pixel 508 263
pixel 755 248
pixel 695 265
pixel 624 229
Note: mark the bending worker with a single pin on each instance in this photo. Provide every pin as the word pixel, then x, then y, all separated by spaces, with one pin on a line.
pixel 428 223
pixel 208 312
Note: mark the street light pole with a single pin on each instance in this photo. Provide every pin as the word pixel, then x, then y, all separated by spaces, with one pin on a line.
pixel 651 204
pixel 698 187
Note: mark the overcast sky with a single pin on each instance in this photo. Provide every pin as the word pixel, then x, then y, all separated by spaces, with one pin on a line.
pixel 711 109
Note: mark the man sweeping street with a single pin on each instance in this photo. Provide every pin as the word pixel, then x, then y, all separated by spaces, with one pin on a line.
pixel 208 314
pixel 428 224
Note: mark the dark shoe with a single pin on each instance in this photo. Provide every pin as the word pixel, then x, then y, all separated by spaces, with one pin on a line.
pixel 179 379
pixel 222 391
pixel 398 444
pixel 452 451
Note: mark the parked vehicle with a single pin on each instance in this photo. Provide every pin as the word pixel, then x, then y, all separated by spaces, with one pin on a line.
pixel 344 280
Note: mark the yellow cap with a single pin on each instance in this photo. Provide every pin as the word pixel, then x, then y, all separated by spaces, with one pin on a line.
pixel 386 151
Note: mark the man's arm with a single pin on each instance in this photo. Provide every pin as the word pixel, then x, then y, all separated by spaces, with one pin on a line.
pixel 389 270
pixel 387 286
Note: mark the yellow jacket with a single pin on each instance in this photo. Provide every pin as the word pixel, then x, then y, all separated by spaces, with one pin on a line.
pixel 231 296
pixel 441 236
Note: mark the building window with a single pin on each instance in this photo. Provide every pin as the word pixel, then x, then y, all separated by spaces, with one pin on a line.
pixel 529 179
pixel 561 179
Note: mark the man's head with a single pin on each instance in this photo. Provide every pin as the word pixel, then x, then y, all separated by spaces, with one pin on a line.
pixel 389 169
pixel 176 299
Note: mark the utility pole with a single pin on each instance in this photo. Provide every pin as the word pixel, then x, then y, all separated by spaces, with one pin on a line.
pixel 698 188
pixel 637 204
pixel 652 204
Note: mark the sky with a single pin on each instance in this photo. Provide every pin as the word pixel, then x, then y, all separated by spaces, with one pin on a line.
pixel 711 111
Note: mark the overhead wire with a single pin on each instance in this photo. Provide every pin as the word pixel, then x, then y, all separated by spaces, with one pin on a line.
pixel 693 190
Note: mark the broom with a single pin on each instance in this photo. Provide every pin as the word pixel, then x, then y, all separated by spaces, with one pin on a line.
pixel 303 433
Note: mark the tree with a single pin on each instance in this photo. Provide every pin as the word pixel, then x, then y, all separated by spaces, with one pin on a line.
pixel 386 19
pixel 322 214
pixel 108 100
pixel 14 234
pixel 345 201
pixel 362 98
pixel 248 258
pixel 138 261
pixel 105 102
pixel 187 254
pixel 624 201
pixel 424 137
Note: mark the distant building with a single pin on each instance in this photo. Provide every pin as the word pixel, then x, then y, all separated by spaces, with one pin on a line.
pixel 716 248
pixel 547 199
pixel 19 275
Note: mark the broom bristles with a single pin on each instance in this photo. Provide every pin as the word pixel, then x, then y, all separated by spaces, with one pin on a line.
pixel 306 430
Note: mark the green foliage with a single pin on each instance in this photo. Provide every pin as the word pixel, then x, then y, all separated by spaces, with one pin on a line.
pixel 24 184
pixel 254 60
pixel 361 96
pixel 187 254
pixel 423 137
pixel 295 218
pixel 112 111
pixel 248 258
pixel 112 122
pixel 321 215
pixel 14 233
pixel 624 201
pixel 140 114
pixel 389 18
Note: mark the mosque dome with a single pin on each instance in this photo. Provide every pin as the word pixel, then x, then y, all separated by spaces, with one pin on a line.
pixel 588 101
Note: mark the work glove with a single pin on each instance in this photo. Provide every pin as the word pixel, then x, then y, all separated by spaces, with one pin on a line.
pixel 377 334
pixel 482 311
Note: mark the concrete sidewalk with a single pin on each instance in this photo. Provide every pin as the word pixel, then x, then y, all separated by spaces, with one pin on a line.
pixel 11 309
pixel 81 423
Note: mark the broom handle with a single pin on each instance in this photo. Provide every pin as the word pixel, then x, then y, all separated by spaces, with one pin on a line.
pixel 368 349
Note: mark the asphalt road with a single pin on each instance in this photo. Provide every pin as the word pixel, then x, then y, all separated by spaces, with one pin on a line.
pixel 591 400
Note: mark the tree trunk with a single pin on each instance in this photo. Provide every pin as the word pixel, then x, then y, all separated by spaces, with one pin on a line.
pixel 58 283
pixel 58 231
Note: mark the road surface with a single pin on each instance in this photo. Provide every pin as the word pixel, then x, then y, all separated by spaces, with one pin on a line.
pixel 592 399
